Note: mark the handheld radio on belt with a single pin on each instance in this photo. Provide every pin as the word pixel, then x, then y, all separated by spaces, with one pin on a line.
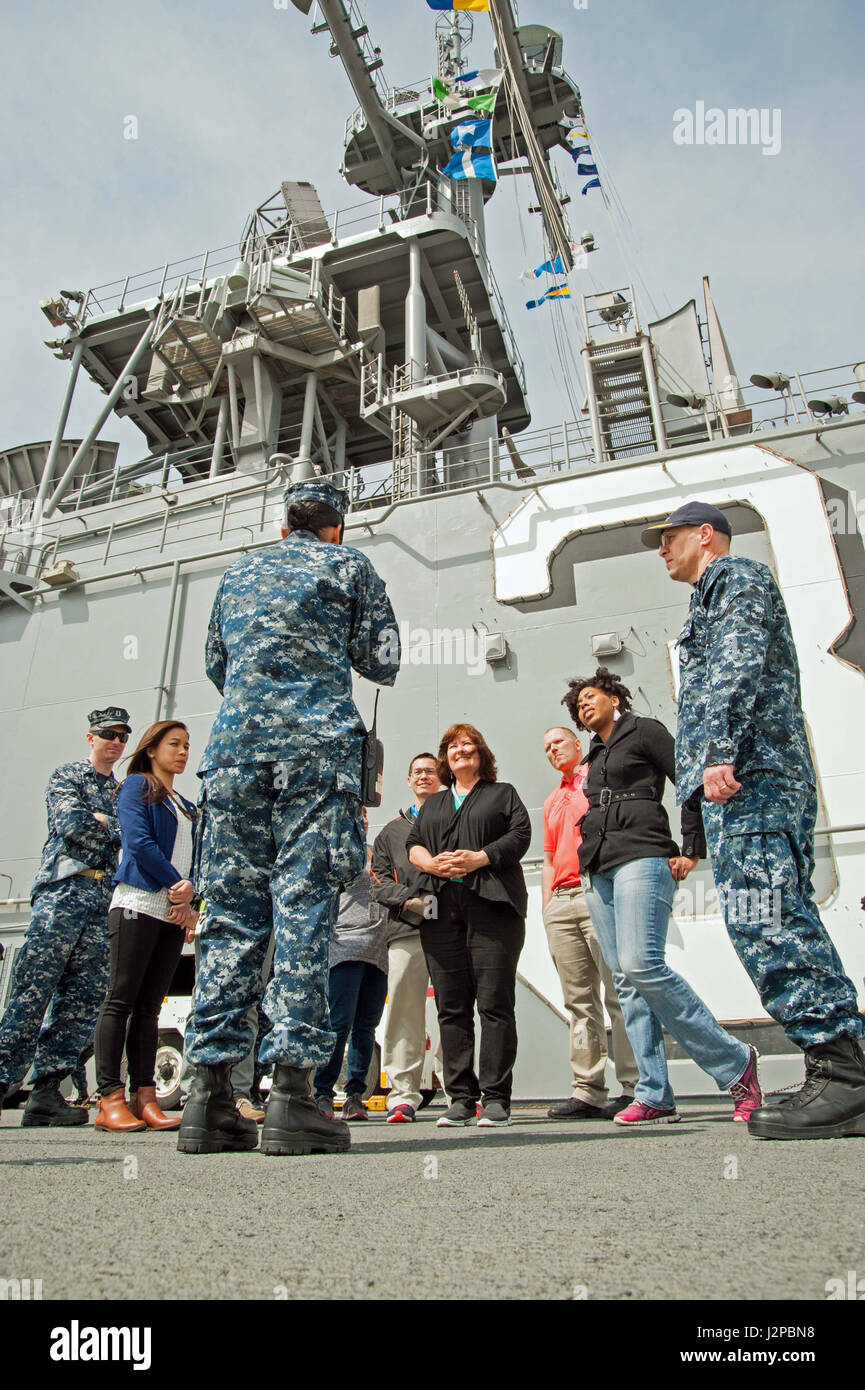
pixel 372 765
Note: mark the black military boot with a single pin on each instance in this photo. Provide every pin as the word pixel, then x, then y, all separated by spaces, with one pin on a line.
pixel 830 1105
pixel 210 1123
pixel 46 1106
pixel 293 1123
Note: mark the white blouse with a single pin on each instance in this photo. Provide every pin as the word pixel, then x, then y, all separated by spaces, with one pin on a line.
pixel 159 904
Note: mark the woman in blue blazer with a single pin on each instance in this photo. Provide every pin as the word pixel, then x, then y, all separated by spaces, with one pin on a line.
pixel 152 908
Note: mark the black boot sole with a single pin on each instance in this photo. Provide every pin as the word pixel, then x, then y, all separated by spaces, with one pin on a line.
pixel 31 1121
pixel 202 1141
pixel 300 1144
pixel 846 1129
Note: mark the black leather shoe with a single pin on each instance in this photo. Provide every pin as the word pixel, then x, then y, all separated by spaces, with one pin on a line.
pixel 576 1110
pixel 211 1123
pixel 47 1107
pixel 293 1123
pixel 830 1105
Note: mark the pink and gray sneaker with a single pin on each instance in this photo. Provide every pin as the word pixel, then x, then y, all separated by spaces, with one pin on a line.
pixel 639 1113
pixel 746 1091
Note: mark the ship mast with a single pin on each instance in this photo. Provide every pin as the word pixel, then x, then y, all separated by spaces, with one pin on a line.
pixel 361 61
pixel 328 345
pixel 510 56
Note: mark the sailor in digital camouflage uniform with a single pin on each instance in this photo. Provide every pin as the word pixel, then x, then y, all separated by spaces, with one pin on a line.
pixel 61 973
pixel 281 813
pixel 741 736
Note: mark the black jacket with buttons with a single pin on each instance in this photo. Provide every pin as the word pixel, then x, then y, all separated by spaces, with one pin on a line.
pixel 639 754
pixel 492 818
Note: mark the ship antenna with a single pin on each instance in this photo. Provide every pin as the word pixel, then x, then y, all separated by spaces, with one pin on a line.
pixel 506 35
pixel 362 62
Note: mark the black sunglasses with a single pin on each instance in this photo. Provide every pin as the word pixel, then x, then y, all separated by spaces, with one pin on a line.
pixel 110 734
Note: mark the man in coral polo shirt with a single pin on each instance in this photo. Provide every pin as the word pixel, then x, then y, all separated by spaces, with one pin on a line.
pixel 575 950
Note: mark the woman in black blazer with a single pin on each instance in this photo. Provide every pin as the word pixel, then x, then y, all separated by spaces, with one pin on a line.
pixel 469 840
pixel 151 911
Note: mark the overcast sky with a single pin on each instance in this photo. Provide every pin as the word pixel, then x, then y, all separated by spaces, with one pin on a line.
pixel 232 96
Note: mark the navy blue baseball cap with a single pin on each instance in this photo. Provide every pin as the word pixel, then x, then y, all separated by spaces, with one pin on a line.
pixel 689 514
pixel 317 490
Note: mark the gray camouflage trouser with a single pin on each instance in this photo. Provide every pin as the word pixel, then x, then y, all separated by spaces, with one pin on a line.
pixel 762 849
pixel 61 977
pixel 277 843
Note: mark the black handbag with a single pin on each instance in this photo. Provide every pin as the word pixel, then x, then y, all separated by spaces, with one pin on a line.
pixel 372 765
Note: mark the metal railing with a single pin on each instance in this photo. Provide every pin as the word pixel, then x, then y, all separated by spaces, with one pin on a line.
pixel 561 449
pixel 187 283
pixel 408 95
pixel 543 454
pixel 198 272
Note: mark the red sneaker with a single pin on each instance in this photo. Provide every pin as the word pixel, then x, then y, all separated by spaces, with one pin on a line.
pixel 639 1113
pixel 746 1091
pixel 401 1114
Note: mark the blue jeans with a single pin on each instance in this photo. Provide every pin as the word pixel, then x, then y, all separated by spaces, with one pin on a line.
pixel 357 993
pixel 630 906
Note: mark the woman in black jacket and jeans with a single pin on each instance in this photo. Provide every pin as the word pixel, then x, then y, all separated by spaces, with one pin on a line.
pixel 468 840
pixel 629 865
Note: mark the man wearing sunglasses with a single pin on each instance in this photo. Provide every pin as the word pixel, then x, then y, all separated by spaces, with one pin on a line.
pixel 61 973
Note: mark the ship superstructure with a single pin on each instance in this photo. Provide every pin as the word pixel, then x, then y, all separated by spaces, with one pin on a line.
pixel 372 344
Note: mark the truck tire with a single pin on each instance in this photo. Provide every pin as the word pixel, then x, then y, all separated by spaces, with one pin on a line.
pixel 169 1065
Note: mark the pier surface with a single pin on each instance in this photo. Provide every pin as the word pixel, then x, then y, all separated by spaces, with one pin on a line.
pixel 539 1210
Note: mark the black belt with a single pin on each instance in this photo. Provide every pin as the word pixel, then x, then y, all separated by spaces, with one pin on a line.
pixel 605 798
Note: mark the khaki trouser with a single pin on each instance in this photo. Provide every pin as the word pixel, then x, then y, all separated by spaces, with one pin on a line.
pixel 404 1040
pixel 581 969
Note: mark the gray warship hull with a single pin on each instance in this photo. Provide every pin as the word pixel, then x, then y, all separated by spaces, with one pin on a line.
pixel 547 566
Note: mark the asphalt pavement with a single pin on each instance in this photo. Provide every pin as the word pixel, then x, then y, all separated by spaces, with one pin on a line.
pixel 543 1209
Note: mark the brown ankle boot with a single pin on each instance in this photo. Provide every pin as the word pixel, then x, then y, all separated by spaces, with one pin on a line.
pixel 114 1113
pixel 143 1104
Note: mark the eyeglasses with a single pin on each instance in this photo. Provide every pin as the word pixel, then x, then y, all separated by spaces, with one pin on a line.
pixel 110 734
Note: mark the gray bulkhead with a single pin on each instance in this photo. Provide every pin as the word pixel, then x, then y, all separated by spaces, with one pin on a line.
pixel 106 639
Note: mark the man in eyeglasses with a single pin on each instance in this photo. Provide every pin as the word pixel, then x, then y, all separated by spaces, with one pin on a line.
pixel 61 973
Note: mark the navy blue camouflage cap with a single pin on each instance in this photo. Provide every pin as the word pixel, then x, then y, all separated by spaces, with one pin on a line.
pixel 689 514
pixel 317 490
pixel 115 716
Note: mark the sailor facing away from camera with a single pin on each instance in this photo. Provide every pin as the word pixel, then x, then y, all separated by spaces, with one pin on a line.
pixel 280 830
